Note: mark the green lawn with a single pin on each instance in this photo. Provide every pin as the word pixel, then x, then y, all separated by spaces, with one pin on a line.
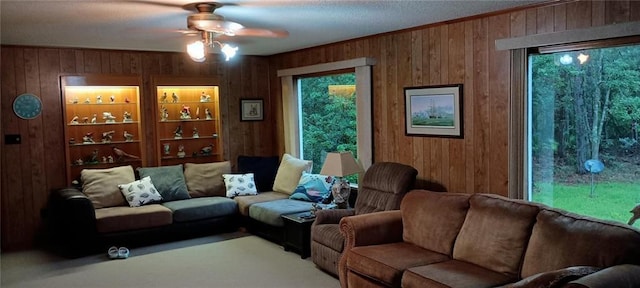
pixel 611 201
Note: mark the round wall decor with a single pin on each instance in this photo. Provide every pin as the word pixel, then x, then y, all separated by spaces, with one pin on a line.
pixel 27 106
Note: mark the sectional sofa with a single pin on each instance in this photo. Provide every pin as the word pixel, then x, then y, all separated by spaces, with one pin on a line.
pixel 185 201
pixel 484 240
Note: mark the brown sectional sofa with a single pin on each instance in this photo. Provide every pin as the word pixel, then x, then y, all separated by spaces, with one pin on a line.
pixel 484 240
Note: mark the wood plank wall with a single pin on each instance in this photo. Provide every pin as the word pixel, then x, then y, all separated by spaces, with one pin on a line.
pixel 448 53
pixel 37 166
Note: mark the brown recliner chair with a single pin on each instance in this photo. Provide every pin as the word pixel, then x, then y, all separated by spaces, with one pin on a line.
pixel 382 188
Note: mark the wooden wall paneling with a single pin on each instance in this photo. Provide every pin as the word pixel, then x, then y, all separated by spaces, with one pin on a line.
pixel 616 12
pixel 545 20
pixel 234 124
pixel 499 102
pixel 115 62
pixel 518 25
pixel 456 52
pixel 435 72
pixel 67 61
pixel 559 17
pixel 404 143
pixel 92 61
pixel 425 173
pixel 444 79
pixel 79 55
pixel 469 97
pixel 634 10
pixel 380 105
pixel 376 80
pixel 532 21
pixel 418 160
pixel 578 15
pixel 597 13
pixel 481 119
pixel 12 196
pixel 105 61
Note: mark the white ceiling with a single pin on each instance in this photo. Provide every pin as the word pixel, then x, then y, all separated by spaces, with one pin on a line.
pixel 153 25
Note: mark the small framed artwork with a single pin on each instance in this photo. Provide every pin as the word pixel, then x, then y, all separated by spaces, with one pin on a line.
pixel 434 111
pixel 251 110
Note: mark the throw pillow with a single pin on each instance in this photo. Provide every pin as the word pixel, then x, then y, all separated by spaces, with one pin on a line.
pixel 206 179
pixel 263 168
pixel 240 184
pixel 169 180
pixel 140 192
pixel 289 173
pixel 101 185
pixel 312 187
pixel 554 279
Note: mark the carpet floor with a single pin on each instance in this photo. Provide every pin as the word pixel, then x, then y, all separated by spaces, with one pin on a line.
pixel 229 260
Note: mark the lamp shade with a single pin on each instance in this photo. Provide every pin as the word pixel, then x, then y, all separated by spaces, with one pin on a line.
pixel 340 164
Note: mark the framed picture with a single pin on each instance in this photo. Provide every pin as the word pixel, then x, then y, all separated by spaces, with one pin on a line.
pixel 434 111
pixel 251 110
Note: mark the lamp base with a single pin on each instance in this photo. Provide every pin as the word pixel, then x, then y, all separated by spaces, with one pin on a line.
pixel 340 191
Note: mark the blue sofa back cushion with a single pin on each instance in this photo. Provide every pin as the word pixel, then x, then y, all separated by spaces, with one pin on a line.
pixel 264 170
pixel 168 180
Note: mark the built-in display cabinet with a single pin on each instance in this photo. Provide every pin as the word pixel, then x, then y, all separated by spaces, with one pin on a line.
pixel 103 124
pixel 188 121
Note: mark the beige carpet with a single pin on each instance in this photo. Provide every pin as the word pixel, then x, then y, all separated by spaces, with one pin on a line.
pixel 228 260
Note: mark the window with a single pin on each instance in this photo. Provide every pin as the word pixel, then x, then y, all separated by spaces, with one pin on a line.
pixel 293 78
pixel 584 117
pixel 328 116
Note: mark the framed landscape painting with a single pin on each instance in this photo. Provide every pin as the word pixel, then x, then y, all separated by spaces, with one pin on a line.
pixel 434 111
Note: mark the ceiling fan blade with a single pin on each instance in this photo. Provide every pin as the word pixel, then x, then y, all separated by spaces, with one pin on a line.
pixel 257 32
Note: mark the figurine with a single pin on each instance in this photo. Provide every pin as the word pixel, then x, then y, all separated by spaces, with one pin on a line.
pixel 88 138
pixel 198 112
pixel 166 148
pixel 195 133
pixel 127 117
pixel 178 132
pixel 126 100
pixel 72 140
pixel 128 137
pixel 78 162
pixel 107 136
pixel 93 159
pixel 121 154
pixel 204 97
pixel 108 117
pixel 215 135
pixel 207 114
pixel 85 120
pixel 74 100
pixel 206 150
pixel 185 113
pixel 112 99
pixel 74 120
pixel 164 98
pixel 94 119
pixel 87 101
pixel 174 97
pixel 110 159
pixel 164 114
pixel 181 152
pixel 104 159
pixel 99 99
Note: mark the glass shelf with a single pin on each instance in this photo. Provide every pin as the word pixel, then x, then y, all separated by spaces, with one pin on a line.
pixel 104 143
pixel 103 123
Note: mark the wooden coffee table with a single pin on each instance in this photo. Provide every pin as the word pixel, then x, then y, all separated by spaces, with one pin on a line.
pixel 297 233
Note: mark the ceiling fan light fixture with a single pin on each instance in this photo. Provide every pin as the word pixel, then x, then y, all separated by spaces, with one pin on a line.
pixel 196 51
pixel 228 51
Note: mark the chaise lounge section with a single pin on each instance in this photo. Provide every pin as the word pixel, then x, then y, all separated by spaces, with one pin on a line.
pixel 484 240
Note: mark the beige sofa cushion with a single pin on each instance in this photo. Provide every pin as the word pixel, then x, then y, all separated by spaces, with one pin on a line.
pixel 289 173
pixel 101 185
pixel 125 218
pixel 495 233
pixel 206 179
pixel 432 220
pixel 561 239
pixel 244 202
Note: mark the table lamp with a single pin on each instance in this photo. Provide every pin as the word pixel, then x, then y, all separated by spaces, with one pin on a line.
pixel 340 165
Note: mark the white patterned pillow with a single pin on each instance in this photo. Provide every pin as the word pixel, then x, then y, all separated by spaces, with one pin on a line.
pixel 140 192
pixel 240 184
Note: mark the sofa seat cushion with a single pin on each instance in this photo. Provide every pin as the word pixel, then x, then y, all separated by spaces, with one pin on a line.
pixel 328 235
pixel 124 218
pixel 201 208
pixel 562 239
pixel 386 262
pixel 453 273
pixel 496 225
pixel 244 202
pixel 270 212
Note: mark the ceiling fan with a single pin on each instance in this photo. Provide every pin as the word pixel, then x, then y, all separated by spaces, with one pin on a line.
pixel 207 20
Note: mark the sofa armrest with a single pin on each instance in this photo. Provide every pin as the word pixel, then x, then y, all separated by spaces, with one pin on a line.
pixel 71 218
pixel 372 228
pixel 619 276
pixel 332 216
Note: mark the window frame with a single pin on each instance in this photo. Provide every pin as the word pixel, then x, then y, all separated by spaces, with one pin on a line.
pixel 364 100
